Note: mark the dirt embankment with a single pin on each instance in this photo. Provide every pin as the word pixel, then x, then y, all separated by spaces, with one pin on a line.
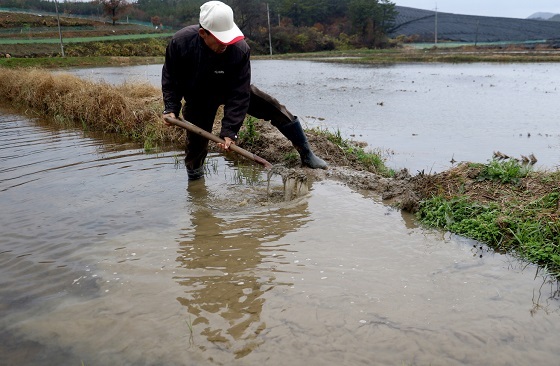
pixel 403 190
pixel 24 26
pixel 272 146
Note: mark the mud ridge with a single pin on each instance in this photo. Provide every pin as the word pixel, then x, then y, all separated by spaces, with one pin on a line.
pixel 344 167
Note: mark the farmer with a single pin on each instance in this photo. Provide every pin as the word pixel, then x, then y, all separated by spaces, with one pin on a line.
pixel 208 65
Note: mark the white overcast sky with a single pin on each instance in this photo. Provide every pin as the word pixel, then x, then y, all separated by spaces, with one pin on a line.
pixel 494 8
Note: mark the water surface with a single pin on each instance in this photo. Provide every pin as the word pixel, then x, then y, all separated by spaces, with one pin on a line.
pixel 109 257
pixel 420 116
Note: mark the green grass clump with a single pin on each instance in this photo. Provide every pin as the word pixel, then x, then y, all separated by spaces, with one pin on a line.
pixel 464 217
pixel 528 229
pixel 535 238
pixel 509 171
pixel 371 161
pixel 249 134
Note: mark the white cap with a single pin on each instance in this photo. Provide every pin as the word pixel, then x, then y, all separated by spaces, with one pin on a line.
pixel 217 18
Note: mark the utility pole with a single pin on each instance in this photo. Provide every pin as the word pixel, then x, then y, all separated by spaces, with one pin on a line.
pixel 59 31
pixel 476 38
pixel 435 32
pixel 269 36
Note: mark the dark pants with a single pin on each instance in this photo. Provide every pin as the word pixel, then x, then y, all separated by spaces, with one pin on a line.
pixel 203 113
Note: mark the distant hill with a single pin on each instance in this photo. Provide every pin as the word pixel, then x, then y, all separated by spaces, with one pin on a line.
pixel 471 28
pixel 541 15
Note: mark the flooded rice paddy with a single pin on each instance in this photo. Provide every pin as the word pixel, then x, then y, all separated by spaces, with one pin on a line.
pixel 109 256
pixel 421 116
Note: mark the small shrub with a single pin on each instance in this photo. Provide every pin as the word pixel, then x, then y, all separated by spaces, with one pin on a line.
pixel 250 134
pixel 371 160
pixel 508 171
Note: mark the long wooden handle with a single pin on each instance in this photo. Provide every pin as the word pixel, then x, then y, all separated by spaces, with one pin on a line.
pixel 207 135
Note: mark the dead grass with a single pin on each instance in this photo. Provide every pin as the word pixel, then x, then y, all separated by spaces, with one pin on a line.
pixel 130 110
pixel 134 111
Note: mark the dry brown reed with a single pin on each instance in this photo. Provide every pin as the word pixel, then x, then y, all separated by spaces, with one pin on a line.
pixel 132 110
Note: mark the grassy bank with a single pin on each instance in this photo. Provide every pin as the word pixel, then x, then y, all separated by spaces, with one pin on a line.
pixel 133 111
pixel 67 62
pixel 462 54
pixel 504 204
pixel 127 51
pixel 149 51
pixel 152 50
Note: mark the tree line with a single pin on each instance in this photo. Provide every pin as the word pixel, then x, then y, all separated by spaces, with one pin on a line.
pixel 294 25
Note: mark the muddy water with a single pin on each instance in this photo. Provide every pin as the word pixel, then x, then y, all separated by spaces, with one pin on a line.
pixel 422 117
pixel 109 257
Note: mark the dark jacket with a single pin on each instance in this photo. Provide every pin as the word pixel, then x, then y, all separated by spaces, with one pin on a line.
pixel 192 70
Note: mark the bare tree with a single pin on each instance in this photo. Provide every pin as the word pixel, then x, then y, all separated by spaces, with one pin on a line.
pixel 156 21
pixel 249 15
pixel 114 8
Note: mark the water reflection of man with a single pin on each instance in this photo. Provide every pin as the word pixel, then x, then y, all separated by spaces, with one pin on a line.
pixel 224 284
pixel 208 65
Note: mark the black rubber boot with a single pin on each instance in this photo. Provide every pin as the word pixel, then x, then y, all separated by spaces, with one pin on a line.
pixel 195 174
pixel 195 166
pixel 294 132
pixel 196 151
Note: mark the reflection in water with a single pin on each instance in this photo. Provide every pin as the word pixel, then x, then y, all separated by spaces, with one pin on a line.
pixel 545 298
pixel 226 278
